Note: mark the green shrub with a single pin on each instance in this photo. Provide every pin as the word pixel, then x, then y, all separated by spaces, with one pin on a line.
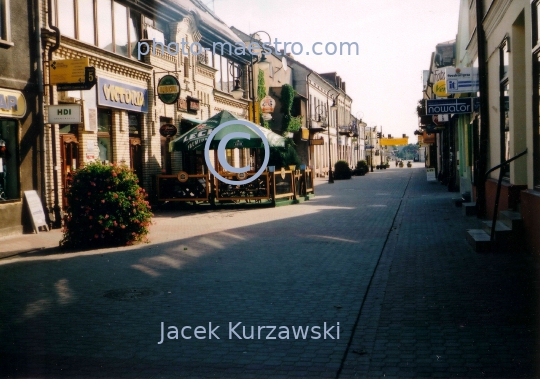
pixel 361 168
pixel 342 170
pixel 106 208
pixel 283 157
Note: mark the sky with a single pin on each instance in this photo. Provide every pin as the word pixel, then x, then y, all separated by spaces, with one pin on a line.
pixel 395 40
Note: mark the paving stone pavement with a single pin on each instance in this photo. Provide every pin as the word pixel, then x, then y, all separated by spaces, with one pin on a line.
pixel 383 255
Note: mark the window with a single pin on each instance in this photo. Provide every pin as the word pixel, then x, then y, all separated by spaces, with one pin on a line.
pixel 105 26
pixel 66 17
pixel 504 58
pixel 227 69
pixel 85 18
pixel 9 177
pixel 115 28
pixel 5 28
pixel 105 135
pixel 536 93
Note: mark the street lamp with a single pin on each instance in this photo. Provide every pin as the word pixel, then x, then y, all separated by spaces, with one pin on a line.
pixel 264 64
pixel 334 108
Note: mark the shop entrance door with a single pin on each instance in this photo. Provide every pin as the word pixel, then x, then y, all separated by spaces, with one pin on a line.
pixel 70 160
pixel 135 156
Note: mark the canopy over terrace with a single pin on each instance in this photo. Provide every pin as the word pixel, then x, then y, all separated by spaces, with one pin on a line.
pixel 196 138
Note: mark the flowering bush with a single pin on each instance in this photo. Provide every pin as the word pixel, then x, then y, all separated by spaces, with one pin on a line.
pixel 106 207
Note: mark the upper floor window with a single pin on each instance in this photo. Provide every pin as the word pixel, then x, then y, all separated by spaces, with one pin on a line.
pixel 227 72
pixel 116 27
pixel 5 27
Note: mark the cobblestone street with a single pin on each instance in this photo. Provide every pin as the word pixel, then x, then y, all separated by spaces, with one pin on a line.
pixel 381 258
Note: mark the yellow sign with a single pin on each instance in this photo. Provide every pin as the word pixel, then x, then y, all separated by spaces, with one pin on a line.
pixel 68 71
pixel 12 103
pixel 440 88
pixel 394 141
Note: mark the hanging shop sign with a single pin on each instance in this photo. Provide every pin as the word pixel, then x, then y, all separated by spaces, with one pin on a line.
pixel 450 106
pixel 462 80
pixel 439 88
pixel 168 89
pixel 182 105
pixel 68 71
pixel 64 114
pixel 193 104
pixel 268 104
pixel 168 130
pixel 88 83
pixel 315 142
pixel 12 103
pixel 394 141
pixel 122 96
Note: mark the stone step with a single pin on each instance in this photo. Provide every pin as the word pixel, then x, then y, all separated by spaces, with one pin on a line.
pixel 469 209
pixel 479 240
pixel 500 228
pixel 457 201
pixel 511 219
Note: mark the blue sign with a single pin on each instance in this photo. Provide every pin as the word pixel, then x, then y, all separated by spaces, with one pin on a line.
pixel 449 106
pixel 122 96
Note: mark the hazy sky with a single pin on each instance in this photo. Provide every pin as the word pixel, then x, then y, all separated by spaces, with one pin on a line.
pixel 395 39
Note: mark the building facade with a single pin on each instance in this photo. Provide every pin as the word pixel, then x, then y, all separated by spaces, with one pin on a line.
pixel 21 159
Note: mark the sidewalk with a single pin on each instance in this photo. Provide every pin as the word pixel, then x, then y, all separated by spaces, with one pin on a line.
pixel 25 245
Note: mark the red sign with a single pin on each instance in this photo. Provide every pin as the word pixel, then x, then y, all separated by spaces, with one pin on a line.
pixel 168 130
pixel 193 104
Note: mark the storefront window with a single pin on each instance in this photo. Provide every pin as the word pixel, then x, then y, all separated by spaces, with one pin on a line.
pixel 104 135
pixel 9 178
pixel 536 92
pixel 504 58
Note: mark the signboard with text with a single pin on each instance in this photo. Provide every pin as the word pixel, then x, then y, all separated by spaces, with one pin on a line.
pixel 68 70
pixel 122 96
pixel 36 210
pixel 462 80
pixel 449 106
pixel 64 114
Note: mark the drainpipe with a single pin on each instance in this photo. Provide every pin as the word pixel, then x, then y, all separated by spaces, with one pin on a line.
pixel 484 112
pixel 39 73
pixel 56 209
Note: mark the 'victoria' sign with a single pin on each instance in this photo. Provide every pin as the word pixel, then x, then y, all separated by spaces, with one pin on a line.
pixel 449 106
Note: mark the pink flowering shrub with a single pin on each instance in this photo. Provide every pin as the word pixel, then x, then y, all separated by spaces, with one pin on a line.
pixel 106 207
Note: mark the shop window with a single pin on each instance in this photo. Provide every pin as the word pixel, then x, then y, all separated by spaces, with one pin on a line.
pixel 9 177
pixel 504 58
pixel 105 135
pixel 536 93
pixel 166 164
pixel 135 144
pixel 5 27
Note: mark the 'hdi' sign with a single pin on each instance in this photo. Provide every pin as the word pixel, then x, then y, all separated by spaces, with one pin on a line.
pixel 64 114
